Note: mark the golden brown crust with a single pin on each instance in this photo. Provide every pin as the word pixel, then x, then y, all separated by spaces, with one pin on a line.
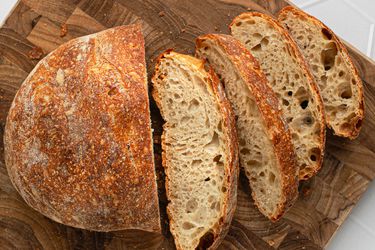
pixel 267 103
pixel 78 142
pixel 356 123
pixel 304 175
pixel 231 167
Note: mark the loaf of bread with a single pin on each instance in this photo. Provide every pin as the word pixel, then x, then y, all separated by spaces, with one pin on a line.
pixel 78 141
pixel 266 150
pixel 200 152
pixel 289 76
pixel 335 73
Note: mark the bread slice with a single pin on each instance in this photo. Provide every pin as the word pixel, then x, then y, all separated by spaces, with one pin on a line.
pixel 266 150
pixel 78 140
pixel 200 152
pixel 334 71
pixel 289 77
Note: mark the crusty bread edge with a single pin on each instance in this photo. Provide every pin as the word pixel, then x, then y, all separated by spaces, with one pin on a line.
pixel 313 86
pixel 231 167
pixel 357 121
pixel 267 103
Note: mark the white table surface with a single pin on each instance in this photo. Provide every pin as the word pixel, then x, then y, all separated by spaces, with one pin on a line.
pixel 354 21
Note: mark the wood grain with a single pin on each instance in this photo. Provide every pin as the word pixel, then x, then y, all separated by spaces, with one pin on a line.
pixel 325 201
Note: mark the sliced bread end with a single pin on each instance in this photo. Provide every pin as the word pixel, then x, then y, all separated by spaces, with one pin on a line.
pixel 266 150
pixel 200 152
pixel 333 70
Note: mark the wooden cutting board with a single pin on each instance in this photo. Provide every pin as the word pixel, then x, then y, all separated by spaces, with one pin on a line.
pixel 325 201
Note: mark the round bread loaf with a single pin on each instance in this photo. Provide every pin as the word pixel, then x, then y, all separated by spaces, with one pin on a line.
pixel 78 141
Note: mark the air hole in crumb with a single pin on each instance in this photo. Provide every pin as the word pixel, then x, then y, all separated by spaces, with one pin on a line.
pixel 290 93
pixel 242 142
pixel 176 96
pixel 296 76
pixel 219 126
pixel 250 21
pixel 196 163
pixel 205 48
pixel 323 79
pixel 328 55
pixel 191 206
pixel 347 94
pixel 213 144
pixel 185 119
pixel 257 47
pixel 261 174
pixel 245 151
pixel 271 177
pixel 217 158
pixel 252 163
pixel 285 102
pixel 315 154
pixel 326 34
pixel 238 24
pixel 262 190
pixel 308 120
pixel 264 42
pixel 187 225
pixel 223 189
pixel 341 73
pixel 194 104
pixel 207 179
pixel 304 104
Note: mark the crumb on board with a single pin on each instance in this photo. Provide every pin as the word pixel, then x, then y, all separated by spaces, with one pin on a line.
pixel 63 30
pixel 271 242
pixel 161 13
pixel 216 28
pixel 248 8
pixel 35 53
pixel 183 30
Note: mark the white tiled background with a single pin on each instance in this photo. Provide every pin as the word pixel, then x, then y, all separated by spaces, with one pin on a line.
pixel 354 21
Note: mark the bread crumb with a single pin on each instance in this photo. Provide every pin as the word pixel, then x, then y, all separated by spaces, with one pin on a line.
pixel 63 30
pixel 35 53
pixel 248 8
pixel 271 242
pixel 216 28
pixel 161 13
pixel 183 30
